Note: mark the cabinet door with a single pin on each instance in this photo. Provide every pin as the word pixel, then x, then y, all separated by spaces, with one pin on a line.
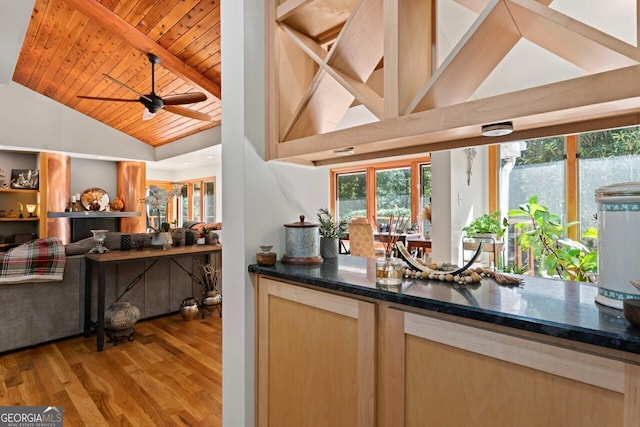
pixel 446 374
pixel 315 358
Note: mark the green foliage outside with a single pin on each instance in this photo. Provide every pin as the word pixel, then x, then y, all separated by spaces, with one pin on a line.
pixel 393 191
pixel 593 145
pixel 555 254
pixel 352 195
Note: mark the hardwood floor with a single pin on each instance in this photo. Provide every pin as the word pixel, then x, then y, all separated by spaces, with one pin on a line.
pixel 169 375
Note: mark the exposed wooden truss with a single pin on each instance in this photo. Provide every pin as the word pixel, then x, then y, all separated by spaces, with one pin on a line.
pixel 422 108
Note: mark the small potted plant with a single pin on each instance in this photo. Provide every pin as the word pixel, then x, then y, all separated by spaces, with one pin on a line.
pixel 330 232
pixel 487 225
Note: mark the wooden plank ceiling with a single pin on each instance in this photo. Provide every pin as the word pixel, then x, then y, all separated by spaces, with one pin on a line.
pixel 70 46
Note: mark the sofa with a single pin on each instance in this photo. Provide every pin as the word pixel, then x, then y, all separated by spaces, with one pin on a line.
pixel 37 312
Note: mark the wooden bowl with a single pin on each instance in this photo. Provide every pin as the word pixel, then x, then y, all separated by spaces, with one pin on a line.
pixel 266 258
pixel 631 308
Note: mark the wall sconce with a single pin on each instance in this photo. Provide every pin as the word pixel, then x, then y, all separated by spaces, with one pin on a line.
pixel 497 129
pixel 31 209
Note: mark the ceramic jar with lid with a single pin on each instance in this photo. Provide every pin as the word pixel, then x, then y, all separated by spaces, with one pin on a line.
pixel 302 242
pixel 618 254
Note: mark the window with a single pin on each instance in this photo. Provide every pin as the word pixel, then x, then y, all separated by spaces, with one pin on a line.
pixel 197 201
pixel 533 167
pixel 196 211
pixel 209 205
pixel 351 195
pixel 381 190
pixel 565 171
pixel 606 157
pixel 393 194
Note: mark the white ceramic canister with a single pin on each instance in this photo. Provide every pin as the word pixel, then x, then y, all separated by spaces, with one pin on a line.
pixel 302 243
pixel 618 249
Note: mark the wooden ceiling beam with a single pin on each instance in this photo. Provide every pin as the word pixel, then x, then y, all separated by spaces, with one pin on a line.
pixel 288 8
pixel 485 44
pixel 590 49
pixel 307 44
pixel 584 98
pixel 95 11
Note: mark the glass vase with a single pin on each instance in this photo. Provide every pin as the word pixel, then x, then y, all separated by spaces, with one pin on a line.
pixel 389 271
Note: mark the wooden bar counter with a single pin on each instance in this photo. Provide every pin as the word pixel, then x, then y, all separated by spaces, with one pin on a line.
pixel 332 349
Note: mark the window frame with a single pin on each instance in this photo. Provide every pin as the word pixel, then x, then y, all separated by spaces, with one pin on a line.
pixel 174 209
pixel 370 170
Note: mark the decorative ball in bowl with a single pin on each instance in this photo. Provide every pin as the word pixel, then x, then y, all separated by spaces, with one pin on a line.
pixel 631 308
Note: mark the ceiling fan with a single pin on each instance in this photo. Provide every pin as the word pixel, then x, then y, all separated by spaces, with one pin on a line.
pixel 153 102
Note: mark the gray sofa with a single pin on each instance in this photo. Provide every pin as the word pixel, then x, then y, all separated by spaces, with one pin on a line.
pixel 33 313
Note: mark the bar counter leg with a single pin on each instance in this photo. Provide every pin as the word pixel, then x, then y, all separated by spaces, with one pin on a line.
pixel 87 298
pixel 100 320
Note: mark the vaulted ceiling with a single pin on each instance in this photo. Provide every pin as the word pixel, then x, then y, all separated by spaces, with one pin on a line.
pixel 99 48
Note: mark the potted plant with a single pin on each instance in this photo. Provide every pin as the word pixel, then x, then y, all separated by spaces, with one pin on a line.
pixel 157 199
pixel 543 233
pixel 487 225
pixel 330 231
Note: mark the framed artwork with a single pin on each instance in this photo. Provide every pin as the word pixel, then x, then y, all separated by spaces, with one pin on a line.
pixel 25 179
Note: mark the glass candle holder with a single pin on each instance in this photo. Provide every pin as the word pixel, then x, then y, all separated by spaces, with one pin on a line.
pixel 99 236
pixel 389 271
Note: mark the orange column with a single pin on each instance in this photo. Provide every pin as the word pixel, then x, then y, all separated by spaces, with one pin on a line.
pixel 55 178
pixel 131 189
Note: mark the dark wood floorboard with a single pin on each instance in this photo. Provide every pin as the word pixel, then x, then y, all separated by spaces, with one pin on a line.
pixel 169 375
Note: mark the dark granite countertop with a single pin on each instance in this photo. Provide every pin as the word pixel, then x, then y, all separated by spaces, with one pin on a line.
pixel 545 306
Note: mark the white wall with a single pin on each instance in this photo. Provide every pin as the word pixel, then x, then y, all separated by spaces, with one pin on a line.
pixel 454 202
pixel 259 197
pixel 87 173
pixel 33 121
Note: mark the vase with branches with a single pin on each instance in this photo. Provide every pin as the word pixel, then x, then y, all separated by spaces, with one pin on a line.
pixel 158 200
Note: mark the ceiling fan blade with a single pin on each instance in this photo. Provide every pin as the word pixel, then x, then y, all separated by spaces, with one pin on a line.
pixel 130 89
pixel 188 113
pixel 99 98
pixel 184 98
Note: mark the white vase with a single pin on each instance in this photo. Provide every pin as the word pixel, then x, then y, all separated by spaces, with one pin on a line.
pixel 162 239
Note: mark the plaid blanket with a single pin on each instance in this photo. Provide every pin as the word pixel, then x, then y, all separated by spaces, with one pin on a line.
pixel 35 261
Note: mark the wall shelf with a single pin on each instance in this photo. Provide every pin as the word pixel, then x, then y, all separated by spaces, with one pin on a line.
pixel 92 214
pixel 27 219
pixel 16 190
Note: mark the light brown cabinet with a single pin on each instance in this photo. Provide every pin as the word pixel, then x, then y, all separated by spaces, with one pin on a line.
pixel 316 358
pixel 327 359
pixel 452 374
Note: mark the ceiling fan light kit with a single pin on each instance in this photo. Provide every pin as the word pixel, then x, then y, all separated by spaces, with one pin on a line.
pixel 152 102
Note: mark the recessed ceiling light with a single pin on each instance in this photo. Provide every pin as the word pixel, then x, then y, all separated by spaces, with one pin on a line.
pixel 186 162
pixel 348 151
pixel 497 129
pixel 209 157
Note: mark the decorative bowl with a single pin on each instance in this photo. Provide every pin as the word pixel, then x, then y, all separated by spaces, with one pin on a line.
pixel 631 308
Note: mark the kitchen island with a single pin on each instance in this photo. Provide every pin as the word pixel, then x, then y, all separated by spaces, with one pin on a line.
pixel 333 349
